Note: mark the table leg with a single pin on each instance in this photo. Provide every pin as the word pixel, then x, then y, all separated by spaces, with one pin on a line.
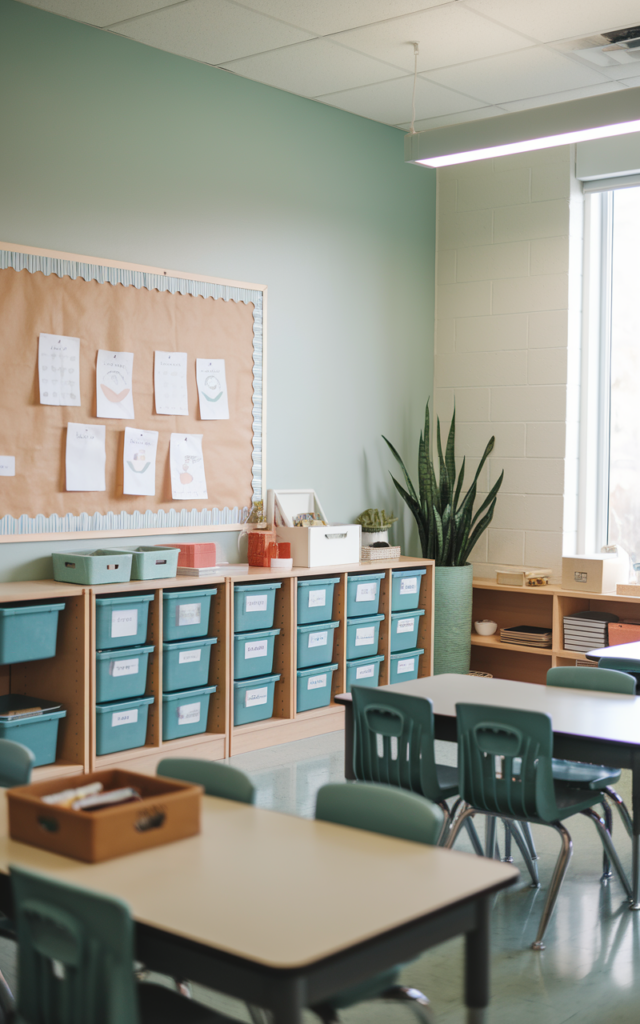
pixel 635 804
pixel 348 741
pixel 287 1006
pixel 477 966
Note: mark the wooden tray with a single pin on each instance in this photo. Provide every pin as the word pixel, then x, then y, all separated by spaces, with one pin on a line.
pixel 169 810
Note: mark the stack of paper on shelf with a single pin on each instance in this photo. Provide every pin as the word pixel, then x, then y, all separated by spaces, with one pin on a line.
pixel 223 569
pixel 529 636
pixel 585 631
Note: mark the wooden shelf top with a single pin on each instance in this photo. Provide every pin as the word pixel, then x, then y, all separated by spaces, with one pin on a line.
pixel 404 562
pixel 495 643
pixel 552 589
pixel 37 590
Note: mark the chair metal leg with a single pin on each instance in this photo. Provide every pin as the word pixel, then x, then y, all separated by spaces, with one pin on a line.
pixel 261 1016
pixel 416 999
pixel 461 819
pixel 559 872
pixel 532 866
pixel 490 828
pixel 444 807
pixel 622 809
pixel 473 836
pixel 606 864
pixel 507 842
pixel 526 831
pixel 610 849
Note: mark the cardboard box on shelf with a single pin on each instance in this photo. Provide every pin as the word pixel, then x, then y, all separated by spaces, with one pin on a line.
pixel 593 574
pixel 314 545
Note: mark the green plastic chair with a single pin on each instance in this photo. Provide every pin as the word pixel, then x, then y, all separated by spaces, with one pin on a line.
pixel 506 769
pixel 76 961
pixel 218 779
pixel 16 762
pixel 391 812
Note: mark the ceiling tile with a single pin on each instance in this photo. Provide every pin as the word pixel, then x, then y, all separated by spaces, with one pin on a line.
pixel 325 16
pixel 212 31
pixel 447 35
pixel 97 12
pixel 516 76
pixel 562 97
pixel 390 102
pixel 312 68
pixel 547 20
pixel 445 119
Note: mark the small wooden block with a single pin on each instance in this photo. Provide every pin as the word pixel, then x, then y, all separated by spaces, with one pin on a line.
pixel 628 589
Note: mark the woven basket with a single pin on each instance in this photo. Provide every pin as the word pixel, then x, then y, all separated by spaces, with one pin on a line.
pixel 375 554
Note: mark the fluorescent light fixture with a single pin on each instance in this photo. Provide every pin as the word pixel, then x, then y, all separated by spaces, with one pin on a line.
pixel 597 117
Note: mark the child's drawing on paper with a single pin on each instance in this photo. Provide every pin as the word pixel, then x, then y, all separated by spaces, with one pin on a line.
pixel 187 467
pixel 212 389
pixel 114 389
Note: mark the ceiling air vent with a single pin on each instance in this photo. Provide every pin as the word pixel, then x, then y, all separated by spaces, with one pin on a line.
pixel 609 48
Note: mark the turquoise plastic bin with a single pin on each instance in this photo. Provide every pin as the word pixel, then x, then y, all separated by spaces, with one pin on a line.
pixel 122 724
pixel 185 613
pixel 315 644
pixel 405 589
pixel 362 636
pixel 315 600
pixel 121 674
pixel 254 606
pixel 314 687
pixel 38 732
pixel 363 594
pixel 185 713
pixel 88 568
pixel 28 632
pixel 253 699
pixel 157 562
pixel 404 629
pixel 364 671
pixel 122 621
pixel 253 654
pixel 404 666
pixel 185 664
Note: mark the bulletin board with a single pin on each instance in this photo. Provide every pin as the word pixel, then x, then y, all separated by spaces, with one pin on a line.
pixel 125 308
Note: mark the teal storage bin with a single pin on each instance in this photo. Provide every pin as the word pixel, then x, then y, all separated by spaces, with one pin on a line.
pixel 121 674
pixel 122 724
pixel 156 562
pixel 87 568
pixel 37 732
pixel 28 632
pixel 405 589
pixel 315 644
pixel 363 594
pixel 404 666
pixel 404 629
pixel 253 699
pixel 254 606
pixel 185 613
pixel 362 636
pixel 185 713
pixel 364 671
pixel 185 664
pixel 315 600
pixel 253 654
pixel 314 687
pixel 122 621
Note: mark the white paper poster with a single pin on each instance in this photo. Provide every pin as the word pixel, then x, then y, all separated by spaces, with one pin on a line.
pixel 170 383
pixel 212 389
pixel 59 370
pixel 7 465
pixel 140 447
pixel 187 467
pixel 114 385
pixel 86 457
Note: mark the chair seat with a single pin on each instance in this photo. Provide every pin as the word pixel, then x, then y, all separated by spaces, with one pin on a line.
pixel 448 780
pixel 159 1005
pixel 571 800
pixel 586 776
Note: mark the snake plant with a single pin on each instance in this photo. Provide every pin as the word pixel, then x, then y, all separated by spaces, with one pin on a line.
pixel 447 525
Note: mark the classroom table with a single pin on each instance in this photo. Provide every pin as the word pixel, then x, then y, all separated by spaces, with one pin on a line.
pixel 631 651
pixel 283 912
pixel 601 728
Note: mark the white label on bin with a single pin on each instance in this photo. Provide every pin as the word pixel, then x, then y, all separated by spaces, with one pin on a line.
pixel 124 622
pixel 130 667
pixel 317 598
pixel 253 697
pixel 405 665
pixel 405 625
pixel 409 586
pixel 188 614
pixel 257 603
pixel 365 635
pixel 365 671
pixel 318 639
pixel 185 657
pixel 124 717
pixel 366 591
pixel 256 649
pixel 315 682
pixel 188 714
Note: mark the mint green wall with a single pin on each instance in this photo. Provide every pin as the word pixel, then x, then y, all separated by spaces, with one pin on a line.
pixel 117 150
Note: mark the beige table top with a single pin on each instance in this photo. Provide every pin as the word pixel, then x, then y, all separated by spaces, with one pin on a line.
pixel 278 890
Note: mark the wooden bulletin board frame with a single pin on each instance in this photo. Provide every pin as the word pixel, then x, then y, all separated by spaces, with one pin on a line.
pixel 62 265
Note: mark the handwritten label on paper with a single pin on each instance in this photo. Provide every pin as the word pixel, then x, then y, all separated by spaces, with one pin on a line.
pixel 405 665
pixel 188 479
pixel 366 591
pixel 124 717
pixel 211 379
pixel 256 603
pixel 59 372
pixel 189 614
pixel 255 697
pixel 409 585
pixel 186 657
pixel 317 598
pixel 124 623
pixel 365 635
pixel 125 667
pixel 316 682
pixel 114 385
pixel 405 625
pixel 256 649
pixel 7 465
pixel 139 461
pixel 170 383
pixel 365 671
pixel 189 714
pixel 85 458
pixel 318 639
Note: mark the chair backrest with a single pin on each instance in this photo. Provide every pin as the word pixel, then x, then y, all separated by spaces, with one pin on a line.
pixel 584 678
pixel 75 951
pixel 16 762
pixel 374 808
pixel 394 740
pixel 218 779
pixel 504 759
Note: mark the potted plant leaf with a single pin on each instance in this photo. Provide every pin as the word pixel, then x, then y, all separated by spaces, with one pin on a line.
pixel 448 529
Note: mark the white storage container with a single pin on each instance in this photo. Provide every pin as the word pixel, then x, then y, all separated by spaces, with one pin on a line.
pixel 314 545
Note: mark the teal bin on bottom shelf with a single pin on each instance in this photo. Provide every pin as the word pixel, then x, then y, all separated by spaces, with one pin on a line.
pixel 363 594
pixel 185 663
pixel 122 621
pixel 362 636
pixel 28 632
pixel 253 653
pixel 121 674
pixel 185 713
pixel 315 644
pixel 315 600
pixel 404 630
pixel 364 671
pixel 122 724
pixel 314 687
pixel 405 589
pixel 185 613
pixel 404 666
pixel 38 732
pixel 254 605
pixel 253 699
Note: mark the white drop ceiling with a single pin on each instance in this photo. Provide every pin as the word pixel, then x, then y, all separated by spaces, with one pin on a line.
pixel 477 58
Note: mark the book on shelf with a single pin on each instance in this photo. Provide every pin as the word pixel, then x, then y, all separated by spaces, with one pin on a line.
pixel 586 630
pixel 527 636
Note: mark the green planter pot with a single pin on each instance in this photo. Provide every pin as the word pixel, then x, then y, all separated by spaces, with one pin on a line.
pixel 452 615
